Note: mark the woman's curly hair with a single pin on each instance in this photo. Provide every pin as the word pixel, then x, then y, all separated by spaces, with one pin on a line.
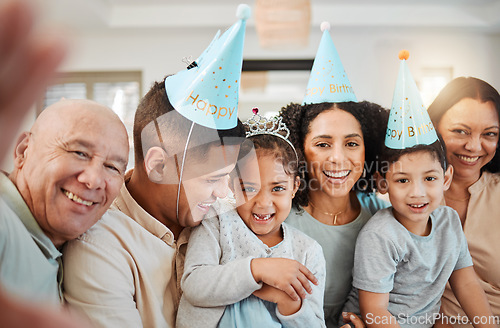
pixel 373 120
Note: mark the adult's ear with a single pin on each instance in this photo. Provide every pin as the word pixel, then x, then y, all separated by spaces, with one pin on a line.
pixel 21 149
pixel 154 164
pixel 382 185
pixel 448 177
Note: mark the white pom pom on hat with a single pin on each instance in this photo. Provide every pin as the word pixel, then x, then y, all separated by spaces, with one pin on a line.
pixel 328 74
pixel 243 11
pixel 325 26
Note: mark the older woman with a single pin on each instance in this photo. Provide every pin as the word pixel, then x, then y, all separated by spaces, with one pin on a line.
pixel 340 143
pixel 466 113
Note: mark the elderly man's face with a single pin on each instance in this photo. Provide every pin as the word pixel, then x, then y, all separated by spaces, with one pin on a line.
pixel 72 169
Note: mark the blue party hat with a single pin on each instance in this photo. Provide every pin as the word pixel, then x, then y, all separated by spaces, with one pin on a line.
pixel 207 91
pixel 328 81
pixel 409 123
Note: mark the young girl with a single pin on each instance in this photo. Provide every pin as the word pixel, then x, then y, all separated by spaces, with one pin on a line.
pixel 244 267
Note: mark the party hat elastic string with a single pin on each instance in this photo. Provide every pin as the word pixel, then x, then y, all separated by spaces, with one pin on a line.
pixel 182 171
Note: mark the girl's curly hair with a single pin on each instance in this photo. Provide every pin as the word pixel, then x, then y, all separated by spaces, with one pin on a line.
pixel 373 120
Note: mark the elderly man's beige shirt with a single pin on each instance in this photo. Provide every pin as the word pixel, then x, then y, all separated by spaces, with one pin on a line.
pixel 482 230
pixel 121 273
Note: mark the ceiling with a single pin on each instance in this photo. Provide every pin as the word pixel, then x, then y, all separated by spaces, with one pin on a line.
pixel 88 15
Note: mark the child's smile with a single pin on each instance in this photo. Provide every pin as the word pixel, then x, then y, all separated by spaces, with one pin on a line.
pixel 263 218
pixel 418 207
pixel 268 191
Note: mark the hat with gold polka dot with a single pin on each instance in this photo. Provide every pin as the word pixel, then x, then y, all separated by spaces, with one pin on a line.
pixel 328 81
pixel 206 92
pixel 409 123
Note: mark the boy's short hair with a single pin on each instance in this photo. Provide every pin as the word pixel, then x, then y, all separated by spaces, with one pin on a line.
pixel 437 150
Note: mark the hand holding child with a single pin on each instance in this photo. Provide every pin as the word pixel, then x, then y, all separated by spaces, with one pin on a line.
pixel 352 320
pixel 286 275
pixel 286 306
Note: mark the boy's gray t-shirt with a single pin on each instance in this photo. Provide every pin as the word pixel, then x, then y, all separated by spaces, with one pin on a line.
pixel 413 269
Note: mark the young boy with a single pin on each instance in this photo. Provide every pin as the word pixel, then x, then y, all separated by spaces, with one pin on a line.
pixel 407 253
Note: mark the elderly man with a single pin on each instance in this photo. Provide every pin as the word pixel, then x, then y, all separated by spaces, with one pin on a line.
pixel 122 272
pixel 29 58
pixel 28 61
pixel 68 170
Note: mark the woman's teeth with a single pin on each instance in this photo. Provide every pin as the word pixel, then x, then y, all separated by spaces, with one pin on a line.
pixel 468 158
pixel 337 174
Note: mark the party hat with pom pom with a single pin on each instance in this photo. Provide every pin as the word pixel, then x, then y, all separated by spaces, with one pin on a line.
pixel 409 123
pixel 206 92
pixel 328 81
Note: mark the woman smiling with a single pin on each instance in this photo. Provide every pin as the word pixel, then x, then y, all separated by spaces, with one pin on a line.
pixel 466 113
pixel 340 143
pixel 339 139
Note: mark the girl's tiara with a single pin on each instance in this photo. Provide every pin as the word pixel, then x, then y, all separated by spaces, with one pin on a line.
pixel 274 126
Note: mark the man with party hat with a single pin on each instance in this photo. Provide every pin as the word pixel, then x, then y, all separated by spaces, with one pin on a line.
pixel 124 271
pixel 328 81
pixel 407 253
